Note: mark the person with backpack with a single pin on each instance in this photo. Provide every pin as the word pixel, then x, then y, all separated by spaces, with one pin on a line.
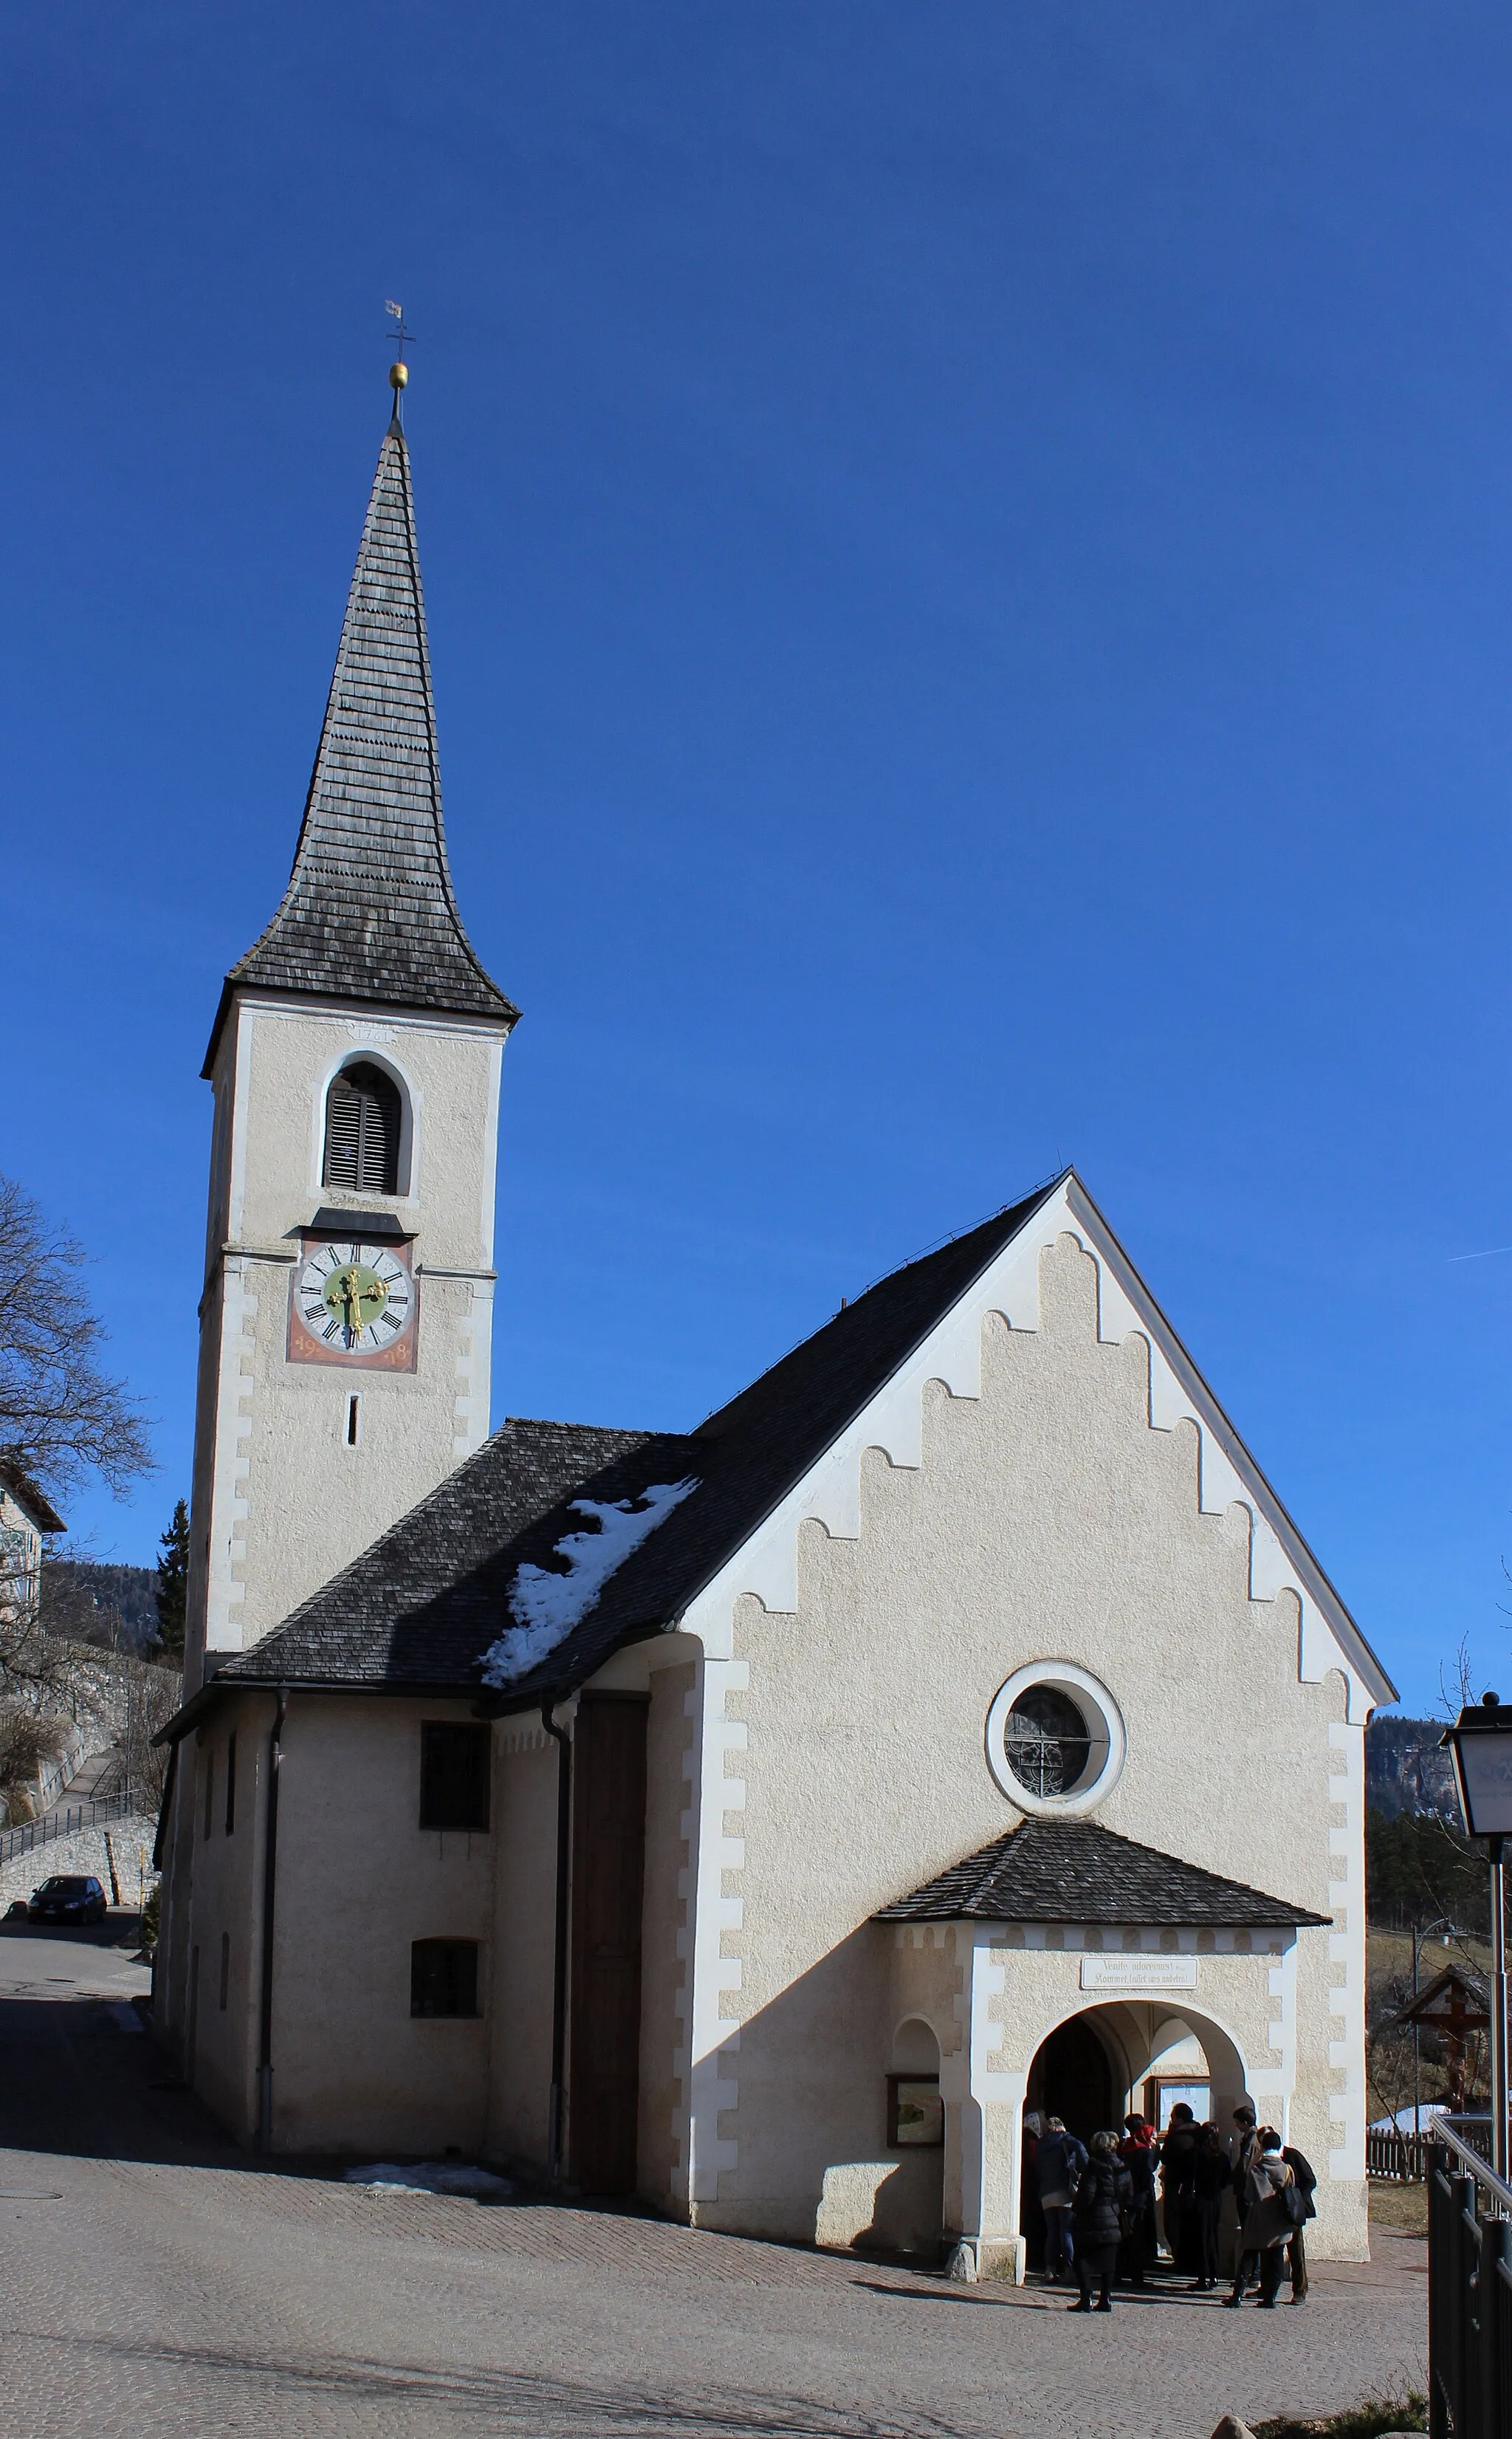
pixel 1305 2176
pixel 1268 2221
pixel 1104 2199
pixel 1059 2160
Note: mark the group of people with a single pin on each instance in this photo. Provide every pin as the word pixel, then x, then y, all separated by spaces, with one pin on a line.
pixel 1099 2204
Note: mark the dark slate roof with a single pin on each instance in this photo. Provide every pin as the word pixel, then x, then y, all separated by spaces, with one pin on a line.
pixel 425 1602
pixel 369 913
pixel 1073 1871
pixel 30 1494
pixel 420 1605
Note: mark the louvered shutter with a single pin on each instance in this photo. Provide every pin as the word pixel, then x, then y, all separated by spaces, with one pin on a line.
pixel 363 1113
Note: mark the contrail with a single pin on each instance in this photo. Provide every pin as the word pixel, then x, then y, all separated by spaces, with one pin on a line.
pixel 1480 1258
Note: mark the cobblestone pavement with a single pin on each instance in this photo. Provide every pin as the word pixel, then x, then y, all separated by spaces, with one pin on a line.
pixel 157 2281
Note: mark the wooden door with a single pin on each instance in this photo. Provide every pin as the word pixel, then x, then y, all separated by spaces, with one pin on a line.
pixel 607 1875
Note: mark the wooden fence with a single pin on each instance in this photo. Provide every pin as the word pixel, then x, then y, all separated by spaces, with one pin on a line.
pixel 1400 2158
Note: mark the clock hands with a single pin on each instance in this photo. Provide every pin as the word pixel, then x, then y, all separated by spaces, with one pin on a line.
pixel 351 1296
pixel 356 1296
pixel 350 1292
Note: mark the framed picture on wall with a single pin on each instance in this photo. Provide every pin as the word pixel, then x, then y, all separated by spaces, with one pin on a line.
pixel 1162 2091
pixel 916 2112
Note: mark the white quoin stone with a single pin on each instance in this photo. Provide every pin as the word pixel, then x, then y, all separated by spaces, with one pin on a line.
pixel 282 1500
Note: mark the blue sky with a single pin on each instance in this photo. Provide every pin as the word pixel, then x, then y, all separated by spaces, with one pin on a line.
pixel 968 554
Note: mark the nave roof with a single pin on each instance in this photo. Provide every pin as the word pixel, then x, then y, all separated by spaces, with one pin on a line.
pixel 420 1608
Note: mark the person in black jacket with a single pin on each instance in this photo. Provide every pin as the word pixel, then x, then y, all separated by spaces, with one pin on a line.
pixel 1178 2156
pixel 1306 2175
pixel 1138 2154
pixel 1103 2199
pixel 1210 2182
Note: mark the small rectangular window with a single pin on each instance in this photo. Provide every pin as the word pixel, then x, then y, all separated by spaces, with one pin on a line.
pixel 353 1421
pixel 225 1967
pixel 454 1773
pixel 210 1791
pixel 444 1977
pixel 230 1782
pixel 916 2113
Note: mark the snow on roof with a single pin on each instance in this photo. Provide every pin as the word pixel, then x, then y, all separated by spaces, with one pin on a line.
pixel 548 1603
pixel 1403 2123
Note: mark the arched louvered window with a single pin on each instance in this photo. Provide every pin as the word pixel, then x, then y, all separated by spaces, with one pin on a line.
pixel 362 1112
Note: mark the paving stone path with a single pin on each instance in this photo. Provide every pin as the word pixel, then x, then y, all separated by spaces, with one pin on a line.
pixel 157 2281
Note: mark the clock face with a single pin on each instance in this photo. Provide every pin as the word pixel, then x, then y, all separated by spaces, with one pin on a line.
pixel 353 1303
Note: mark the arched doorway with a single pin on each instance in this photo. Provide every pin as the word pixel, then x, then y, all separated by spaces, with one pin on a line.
pixel 1123 2055
pixel 1072 2078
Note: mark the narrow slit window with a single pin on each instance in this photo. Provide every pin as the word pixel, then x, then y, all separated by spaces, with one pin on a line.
pixel 353 1416
pixel 230 1782
pixel 363 1114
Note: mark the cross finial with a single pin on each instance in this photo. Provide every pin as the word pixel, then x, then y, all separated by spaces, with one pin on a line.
pixel 398 371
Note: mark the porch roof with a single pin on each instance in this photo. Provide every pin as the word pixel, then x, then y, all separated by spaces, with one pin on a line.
pixel 1075 1871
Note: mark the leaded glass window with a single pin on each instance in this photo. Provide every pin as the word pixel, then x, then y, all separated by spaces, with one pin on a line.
pixel 1047 1743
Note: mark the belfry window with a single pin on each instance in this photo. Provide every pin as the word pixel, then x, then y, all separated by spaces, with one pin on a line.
pixel 363 1113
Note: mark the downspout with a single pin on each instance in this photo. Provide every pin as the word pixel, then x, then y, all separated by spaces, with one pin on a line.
pixel 165 1811
pixel 556 2121
pixel 270 1859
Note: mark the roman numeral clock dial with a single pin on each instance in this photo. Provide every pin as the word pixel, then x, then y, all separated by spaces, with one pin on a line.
pixel 354 1304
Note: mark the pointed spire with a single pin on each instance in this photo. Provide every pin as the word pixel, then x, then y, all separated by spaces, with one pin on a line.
pixel 370 912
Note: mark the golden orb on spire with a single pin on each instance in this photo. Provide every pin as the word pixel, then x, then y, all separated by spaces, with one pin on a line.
pixel 397 375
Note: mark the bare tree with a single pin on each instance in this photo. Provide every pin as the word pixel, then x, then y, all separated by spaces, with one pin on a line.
pixel 1454 1680
pixel 152 1696
pixel 61 1416
pixel 27 1743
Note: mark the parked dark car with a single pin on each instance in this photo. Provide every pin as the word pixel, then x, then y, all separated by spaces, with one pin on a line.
pixel 68 1896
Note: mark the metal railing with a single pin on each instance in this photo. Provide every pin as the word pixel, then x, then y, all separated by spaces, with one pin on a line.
pixel 1469 2287
pixel 29 1837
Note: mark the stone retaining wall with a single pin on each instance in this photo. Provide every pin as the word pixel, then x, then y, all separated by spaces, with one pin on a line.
pixel 85 1851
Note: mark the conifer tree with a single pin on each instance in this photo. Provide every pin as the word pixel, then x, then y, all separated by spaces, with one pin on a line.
pixel 174 1583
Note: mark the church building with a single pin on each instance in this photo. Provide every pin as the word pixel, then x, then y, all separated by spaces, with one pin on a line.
pixel 757 1818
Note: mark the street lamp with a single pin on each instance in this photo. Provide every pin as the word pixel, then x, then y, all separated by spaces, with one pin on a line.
pixel 1481 1742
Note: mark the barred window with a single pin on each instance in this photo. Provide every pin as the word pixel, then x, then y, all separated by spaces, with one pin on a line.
pixel 444 1977
pixel 1047 1742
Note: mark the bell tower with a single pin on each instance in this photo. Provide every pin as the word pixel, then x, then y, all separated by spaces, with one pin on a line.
pixel 345 1321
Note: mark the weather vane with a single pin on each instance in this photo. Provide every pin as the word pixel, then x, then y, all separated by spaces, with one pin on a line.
pixel 398 371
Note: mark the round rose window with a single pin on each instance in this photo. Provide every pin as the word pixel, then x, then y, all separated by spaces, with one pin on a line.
pixel 1047 1742
pixel 1055 1738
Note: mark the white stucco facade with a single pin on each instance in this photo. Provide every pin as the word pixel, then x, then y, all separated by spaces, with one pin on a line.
pixel 1046 1485
pixel 1047 1509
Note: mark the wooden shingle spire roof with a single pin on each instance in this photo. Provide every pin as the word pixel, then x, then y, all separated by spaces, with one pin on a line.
pixel 370 912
